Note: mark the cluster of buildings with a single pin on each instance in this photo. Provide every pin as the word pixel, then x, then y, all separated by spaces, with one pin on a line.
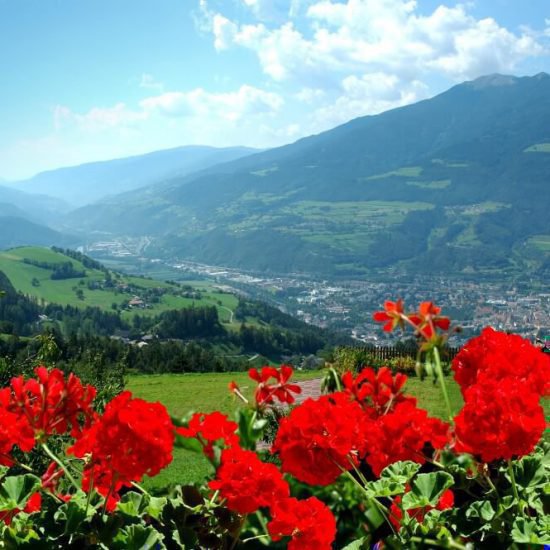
pixel 519 307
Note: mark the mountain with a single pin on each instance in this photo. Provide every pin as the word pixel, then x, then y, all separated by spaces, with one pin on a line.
pixel 37 208
pixel 18 231
pixel 79 185
pixel 459 182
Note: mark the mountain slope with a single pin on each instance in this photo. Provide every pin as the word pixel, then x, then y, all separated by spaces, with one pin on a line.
pixel 17 231
pixel 37 208
pixel 89 182
pixel 459 181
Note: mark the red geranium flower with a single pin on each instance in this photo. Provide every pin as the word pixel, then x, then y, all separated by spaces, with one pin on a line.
pixel 496 355
pixel 133 438
pixel 309 522
pixel 52 404
pixel 14 430
pixel 281 389
pixel 402 435
pixel 247 483
pixel 320 437
pixel 378 391
pixel 428 319
pixel 392 315
pixel 446 501
pixel 499 420
pixel 209 428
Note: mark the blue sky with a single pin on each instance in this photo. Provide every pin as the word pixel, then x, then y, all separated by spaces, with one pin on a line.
pixel 85 80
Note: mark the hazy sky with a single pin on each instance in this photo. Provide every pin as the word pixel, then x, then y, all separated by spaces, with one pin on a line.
pixel 85 80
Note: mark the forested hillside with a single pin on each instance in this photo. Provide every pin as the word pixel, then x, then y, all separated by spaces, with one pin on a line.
pixel 459 182
pixel 171 328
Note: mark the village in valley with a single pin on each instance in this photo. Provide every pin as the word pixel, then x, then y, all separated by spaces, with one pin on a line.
pixel 347 305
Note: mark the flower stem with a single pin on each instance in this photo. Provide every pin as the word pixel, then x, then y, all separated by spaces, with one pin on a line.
pixel 257 537
pixel 491 484
pixel 139 488
pixel 439 370
pixel 515 487
pixel 60 463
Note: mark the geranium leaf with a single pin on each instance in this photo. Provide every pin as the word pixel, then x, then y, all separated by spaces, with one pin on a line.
pixel 524 531
pixel 132 504
pixel 15 491
pixel 401 471
pixel 426 490
pixel 357 544
pixel 189 443
pixel 138 537
pixel 530 473
pixel 482 509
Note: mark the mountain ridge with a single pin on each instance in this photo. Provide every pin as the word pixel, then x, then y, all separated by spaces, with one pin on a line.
pixel 453 180
pixel 107 177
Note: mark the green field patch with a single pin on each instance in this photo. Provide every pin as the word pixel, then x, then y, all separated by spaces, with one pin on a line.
pixel 405 172
pixel 36 281
pixel 538 148
pixel 542 242
pixel 476 209
pixel 265 171
pixel 468 237
pixel 450 164
pixel 440 184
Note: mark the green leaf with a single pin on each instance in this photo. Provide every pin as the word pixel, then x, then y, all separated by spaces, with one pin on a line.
pixel 251 428
pixel 156 505
pixel 132 504
pixel 524 531
pixel 530 473
pixel 138 537
pixel 15 491
pixel 426 490
pixel 402 471
pixel 385 488
pixel 189 443
pixel 482 509
pixel 74 512
pixel 357 544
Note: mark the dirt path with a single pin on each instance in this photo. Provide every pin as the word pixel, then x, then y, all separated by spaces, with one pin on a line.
pixel 310 388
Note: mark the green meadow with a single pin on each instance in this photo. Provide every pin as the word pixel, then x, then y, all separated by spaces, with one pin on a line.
pixel 35 281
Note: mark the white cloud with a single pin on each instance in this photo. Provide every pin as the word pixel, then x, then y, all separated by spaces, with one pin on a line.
pixel 369 94
pixel 360 36
pixel 98 118
pixel 233 106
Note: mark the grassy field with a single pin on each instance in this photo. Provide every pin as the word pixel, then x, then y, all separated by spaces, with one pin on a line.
pixel 542 242
pixel 209 392
pixel 538 148
pixel 64 292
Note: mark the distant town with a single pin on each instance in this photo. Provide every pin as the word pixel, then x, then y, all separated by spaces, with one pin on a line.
pixel 348 305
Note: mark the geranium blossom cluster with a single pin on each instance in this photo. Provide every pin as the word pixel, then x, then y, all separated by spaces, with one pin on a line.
pixel 356 432
pixel 132 439
pixel 502 378
pixel 246 484
pixel 371 420
pixel 32 410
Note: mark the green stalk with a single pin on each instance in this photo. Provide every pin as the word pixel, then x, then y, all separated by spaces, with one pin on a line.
pixel 60 463
pixel 515 487
pixel 439 371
